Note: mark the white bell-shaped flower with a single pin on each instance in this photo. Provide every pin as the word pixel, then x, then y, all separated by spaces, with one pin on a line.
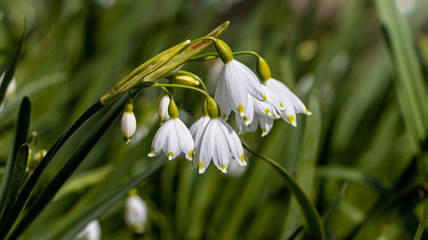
pixel 135 212
pixel 163 108
pixel 173 137
pixel 218 142
pixel 92 231
pixel 287 99
pixel 234 86
pixel 128 123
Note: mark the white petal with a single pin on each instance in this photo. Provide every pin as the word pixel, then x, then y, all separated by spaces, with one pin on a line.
pixel 297 103
pixel 92 231
pixel 198 128
pixel 185 139
pixel 278 88
pixel 248 79
pixel 221 95
pixel 265 124
pixel 159 141
pixel 234 143
pixel 205 148
pixel 163 108
pixel 128 125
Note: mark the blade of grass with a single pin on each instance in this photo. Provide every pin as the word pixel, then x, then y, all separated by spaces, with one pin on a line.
pixel 409 81
pixel 306 160
pixel 423 223
pixel 13 163
pixel 312 218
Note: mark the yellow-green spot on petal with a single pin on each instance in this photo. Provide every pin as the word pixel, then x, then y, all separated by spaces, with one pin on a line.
pixel 224 115
pixel 240 109
pixel 223 167
pixel 191 154
pixel 291 118
pixel 201 166
pixel 265 98
pixel 170 155
pixel 264 130
pixel 152 151
pixel 133 192
pixel 280 104
pixel 245 119
pixel 242 158
pixel 307 111
pixel 267 111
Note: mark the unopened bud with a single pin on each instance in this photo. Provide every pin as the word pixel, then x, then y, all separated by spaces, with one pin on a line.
pixel 128 124
pixel 135 212
pixel 184 79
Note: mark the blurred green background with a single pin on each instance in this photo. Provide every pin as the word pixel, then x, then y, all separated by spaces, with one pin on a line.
pixel 361 156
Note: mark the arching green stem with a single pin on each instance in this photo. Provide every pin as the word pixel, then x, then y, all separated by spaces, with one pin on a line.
pixel 247 52
pixel 201 39
pixel 312 218
pixel 163 85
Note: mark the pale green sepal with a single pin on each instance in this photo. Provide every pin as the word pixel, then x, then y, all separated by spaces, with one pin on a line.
pixel 263 69
pixel 132 79
pixel 172 110
pixel 212 108
pixel 224 51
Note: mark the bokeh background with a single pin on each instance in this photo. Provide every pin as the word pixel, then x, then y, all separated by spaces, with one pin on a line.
pixel 355 156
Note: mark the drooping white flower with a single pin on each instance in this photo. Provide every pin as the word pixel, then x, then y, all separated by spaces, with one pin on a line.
pixel 287 99
pixel 218 142
pixel 234 86
pixel 128 124
pixel 92 231
pixel 135 212
pixel 263 121
pixel 236 82
pixel 173 137
pixel 163 108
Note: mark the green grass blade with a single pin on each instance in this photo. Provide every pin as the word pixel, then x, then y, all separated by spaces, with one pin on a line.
pixel 102 204
pixel 312 218
pixel 21 131
pixel 16 181
pixel 306 161
pixel 423 222
pixel 409 81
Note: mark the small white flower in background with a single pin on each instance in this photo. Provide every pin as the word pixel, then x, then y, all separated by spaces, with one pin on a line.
pixel 10 90
pixel 218 142
pixel 92 231
pixel 173 137
pixel 234 86
pixel 163 108
pixel 135 212
pixel 128 123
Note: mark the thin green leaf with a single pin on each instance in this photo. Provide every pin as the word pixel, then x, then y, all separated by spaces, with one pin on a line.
pixel 423 223
pixel 21 131
pixel 306 161
pixel 312 218
pixel 410 85
pixel 16 181
pixel 103 203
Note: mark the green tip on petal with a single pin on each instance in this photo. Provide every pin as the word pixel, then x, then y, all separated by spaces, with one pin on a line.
pixel 263 69
pixel 224 51
pixel 172 110
pixel 212 108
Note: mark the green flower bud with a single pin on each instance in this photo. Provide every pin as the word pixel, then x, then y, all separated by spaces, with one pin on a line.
pixel 172 110
pixel 212 108
pixel 263 69
pixel 188 80
pixel 224 51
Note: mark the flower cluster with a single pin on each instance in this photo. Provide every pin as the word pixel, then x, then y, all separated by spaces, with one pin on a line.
pixel 254 100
